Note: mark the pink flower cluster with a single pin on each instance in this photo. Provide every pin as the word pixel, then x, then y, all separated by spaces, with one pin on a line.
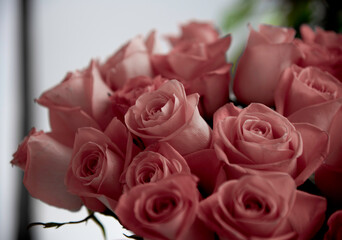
pixel 155 139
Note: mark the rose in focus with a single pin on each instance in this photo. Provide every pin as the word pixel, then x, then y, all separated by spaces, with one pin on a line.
pixel 169 115
pixel 257 139
pixel 262 207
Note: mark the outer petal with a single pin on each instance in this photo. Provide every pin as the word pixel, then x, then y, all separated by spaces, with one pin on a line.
pixel 307 215
pixel 47 164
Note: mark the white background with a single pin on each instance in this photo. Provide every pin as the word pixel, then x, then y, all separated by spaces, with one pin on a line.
pixel 65 35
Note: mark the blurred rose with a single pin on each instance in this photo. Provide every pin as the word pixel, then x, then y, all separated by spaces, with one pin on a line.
pixel 98 160
pixel 198 60
pixel 267 54
pixel 194 31
pixel 335 226
pixel 132 60
pixel 163 210
pixel 125 97
pixel 45 162
pixel 322 49
pixel 327 116
pixel 80 100
pixel 155 163
pixel 302 87
pixel 257 139
pixel 168 115
pixel 263 207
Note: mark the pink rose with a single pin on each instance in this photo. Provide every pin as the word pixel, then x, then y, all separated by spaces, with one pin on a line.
pixel 267 54
pixel 204 32
pixel 257 139
pixel 45 162
pixel 98 160
pixel 263 207
pixel 132 60
pixel 335 226
pixel 328 117
pixel 302 87
pixel 168 115
pixel 321 49
pixel 202 68
pixel 163 210
pixel 155 163
pixel 125 97
pixel 80 100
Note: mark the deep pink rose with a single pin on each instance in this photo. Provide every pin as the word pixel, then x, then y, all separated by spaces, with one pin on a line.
pixel 194 31
pixel 45 162
pixel 263 207
pixel 322 49
pixel 163 210
pixel 327 116
pixel 132 60
pixel 202 68
pixel 168 115
pixel 335 226
pixel 266 55
pixel 257 139
pixel 301 87
pixel 156 162
pixel 80 100
pixel 125 97
pixel 98 160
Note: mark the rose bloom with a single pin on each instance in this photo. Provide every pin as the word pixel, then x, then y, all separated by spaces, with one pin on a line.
pixel 263 207
pixel 335 226
pixel 163 210
pixel 302 87
pixel 198 60
pixel 257 139
pixel 98 160
pixel 125 97
pixel 194 31
pixel 132 60
pixel 168 115
pixel 156 162
pixel 321 49
pixel 80 100
pixel 45 162
pixel 267 53
pixel 327 116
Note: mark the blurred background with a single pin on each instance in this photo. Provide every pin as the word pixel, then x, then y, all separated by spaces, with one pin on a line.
pixel 41 40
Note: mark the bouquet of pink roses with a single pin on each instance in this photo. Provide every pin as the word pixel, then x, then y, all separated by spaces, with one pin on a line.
pixel 154 140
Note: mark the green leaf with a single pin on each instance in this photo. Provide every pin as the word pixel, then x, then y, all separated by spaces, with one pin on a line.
pixel 237 14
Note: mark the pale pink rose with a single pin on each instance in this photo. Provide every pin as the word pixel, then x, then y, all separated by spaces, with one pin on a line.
pixel 156 162
pixel 202 68
pixel 163 210
pixel 266 55
pixel 194 31
pixel 125 97
pixel 263 207
pixel 335 226
pixel 80 100
pixel 131 60
pixel 327 116
pixel 98 160
pixel 257 139
pixel 45 162
pixel 168 115
pixel 301 87
pixel 322 49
